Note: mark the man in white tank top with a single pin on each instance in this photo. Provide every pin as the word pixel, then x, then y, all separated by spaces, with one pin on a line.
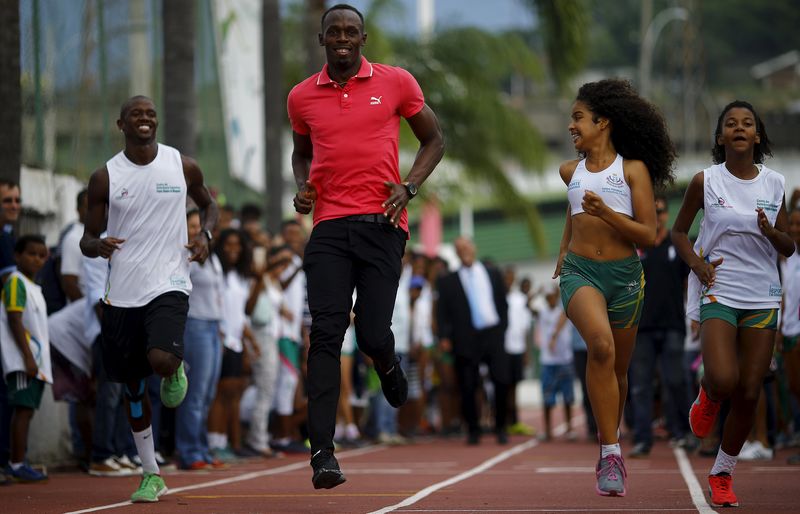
pixel 140 196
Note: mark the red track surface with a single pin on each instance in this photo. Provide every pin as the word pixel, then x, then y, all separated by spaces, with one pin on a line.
pixel 525 476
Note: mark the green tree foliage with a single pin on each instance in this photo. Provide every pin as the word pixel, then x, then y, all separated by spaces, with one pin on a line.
pixel 563 25
pixel 735 35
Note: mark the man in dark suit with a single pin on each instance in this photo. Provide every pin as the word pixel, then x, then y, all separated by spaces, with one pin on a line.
pixel 472 319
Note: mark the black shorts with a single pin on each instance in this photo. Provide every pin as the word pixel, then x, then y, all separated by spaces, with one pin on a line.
pixel 232 364
pixel 517 368
pixel 129 333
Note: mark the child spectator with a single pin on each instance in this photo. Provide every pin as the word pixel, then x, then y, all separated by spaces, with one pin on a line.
pixel 556 361
pixel 25 349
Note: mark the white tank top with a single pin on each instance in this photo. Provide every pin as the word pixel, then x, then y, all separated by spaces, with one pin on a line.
pixel 748 276
pixel 791 295
pixel 609 184
pixel 147 208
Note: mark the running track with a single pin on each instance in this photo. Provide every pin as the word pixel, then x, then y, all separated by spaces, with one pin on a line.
pixel 433 475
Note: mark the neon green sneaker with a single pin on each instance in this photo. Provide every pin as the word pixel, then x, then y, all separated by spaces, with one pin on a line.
pixel 173 389
pixel 151 487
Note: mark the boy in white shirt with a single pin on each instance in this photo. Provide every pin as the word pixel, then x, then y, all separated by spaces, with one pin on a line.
pixel 555 338
pixel 25 349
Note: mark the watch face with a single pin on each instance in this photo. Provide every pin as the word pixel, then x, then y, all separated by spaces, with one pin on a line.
pixel 412 189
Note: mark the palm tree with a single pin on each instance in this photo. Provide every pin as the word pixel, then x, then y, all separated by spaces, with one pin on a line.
pixel 484 131
pixel 179 95
pixel 10 91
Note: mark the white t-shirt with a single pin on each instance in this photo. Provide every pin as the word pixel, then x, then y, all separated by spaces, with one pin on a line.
pixel 68 334
pixel 401 315
pixel 519 322
pixel 234 299
pixel 548 321
pixel 147 208
pixel 748 276
pixel 71 256
pixel 95 277
pixel 20 294
pixel 790 270
pixel 205 302
pixel 294 299
pixel 422 318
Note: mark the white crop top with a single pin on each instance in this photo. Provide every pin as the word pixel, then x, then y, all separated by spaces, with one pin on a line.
pixel 609 184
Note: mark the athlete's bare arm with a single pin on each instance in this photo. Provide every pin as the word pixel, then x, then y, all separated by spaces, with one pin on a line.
pixel 92 245
pixel 209 213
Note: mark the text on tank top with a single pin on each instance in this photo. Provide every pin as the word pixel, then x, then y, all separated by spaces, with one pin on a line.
pixel 748 276
pixel 147 208
pixel 609 184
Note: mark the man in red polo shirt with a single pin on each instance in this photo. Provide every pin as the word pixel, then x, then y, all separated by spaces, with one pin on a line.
pixel 346 122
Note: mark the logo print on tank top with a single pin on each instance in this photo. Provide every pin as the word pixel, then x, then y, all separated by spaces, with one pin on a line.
pixel 124 195
pixel 615 180
pixel 721 204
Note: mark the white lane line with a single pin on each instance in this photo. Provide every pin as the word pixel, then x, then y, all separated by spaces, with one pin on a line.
pixel 638 510
pixel 458 478
pixel 238 478
pixel 698 496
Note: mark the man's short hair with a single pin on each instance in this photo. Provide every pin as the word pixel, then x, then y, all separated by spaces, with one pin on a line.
pixel 341 7
pixel 126 105
pixel 290 223
pixel 250 212
pixel 8 183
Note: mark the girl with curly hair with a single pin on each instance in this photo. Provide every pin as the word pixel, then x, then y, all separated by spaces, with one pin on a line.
pixel 735 261
pixel 625 153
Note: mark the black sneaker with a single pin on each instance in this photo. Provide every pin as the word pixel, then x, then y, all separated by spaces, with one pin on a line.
pixel 327 474
pixel 395 384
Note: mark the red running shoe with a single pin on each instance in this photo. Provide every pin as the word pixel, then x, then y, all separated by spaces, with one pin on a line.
pixel 197 465
pixel 720 488
pixel 703 414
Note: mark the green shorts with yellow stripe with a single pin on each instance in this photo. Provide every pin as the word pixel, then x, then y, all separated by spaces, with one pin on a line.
pixel 749 318
pixel 621 282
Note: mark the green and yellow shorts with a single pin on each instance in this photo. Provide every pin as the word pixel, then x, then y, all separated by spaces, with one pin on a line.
pixel 749 318
pixel 621 282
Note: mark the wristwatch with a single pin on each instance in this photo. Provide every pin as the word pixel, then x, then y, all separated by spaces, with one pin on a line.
pixel 208 234
pixel 411 189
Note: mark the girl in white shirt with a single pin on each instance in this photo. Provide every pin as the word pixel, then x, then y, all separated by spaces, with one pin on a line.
pixel 735 259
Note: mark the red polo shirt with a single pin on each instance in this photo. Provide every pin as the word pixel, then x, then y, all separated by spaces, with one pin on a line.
pixel 354 130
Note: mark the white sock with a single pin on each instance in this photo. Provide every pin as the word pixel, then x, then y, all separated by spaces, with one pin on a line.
pixel 610 449
pixel 724 463
pixel 146 449
pixel 351 431
pixel 16 465
pixel 215 441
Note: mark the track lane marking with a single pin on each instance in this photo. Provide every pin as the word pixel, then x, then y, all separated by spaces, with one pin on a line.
pixel 424 493
pixel 698 496
pixel 238 478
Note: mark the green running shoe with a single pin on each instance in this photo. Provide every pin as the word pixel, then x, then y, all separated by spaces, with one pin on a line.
pixel 151 487
pixel 173 389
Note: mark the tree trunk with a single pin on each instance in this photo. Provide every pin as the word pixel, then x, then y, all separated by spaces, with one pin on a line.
pixel 315 56
pixel 179 94
pixel 10 91
pixel 274 112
